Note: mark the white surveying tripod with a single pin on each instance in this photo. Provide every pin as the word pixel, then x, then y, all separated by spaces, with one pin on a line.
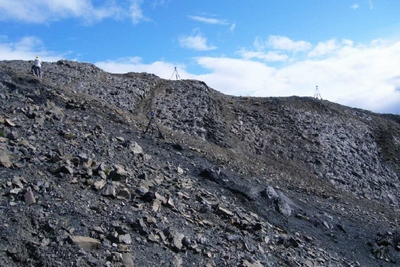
pixel 176 74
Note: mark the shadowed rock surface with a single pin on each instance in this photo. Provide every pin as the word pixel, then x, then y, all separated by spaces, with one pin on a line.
pixel 216 180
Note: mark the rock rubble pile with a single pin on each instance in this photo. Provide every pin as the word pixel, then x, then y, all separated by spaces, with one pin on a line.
pixel 216 181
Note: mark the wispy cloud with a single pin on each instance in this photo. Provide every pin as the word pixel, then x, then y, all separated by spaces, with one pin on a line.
pixel 53 10
pixel 209 20
pixel 195 41
pixel 136 12
pixel 371 6
pixel 284 43
pixel 135 64
pixel 281 43
pixel 232 28
pixel 270 56
pixel 26 49
pixel 158 3
pixel 324 48
pixel 355 6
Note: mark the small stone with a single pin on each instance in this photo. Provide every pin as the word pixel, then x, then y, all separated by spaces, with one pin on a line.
pixel 110 190
pixel 17 182
pixel 153 238
pixel 120 138
pixel 15 191
pixel 135 148
pixel 118 173
pixel 122 247
pixel 127 259
pixel 124 193
pixel 161 198
pixel 254 264
pixel 156 205
pixel 102 174
pixel 13 135
pixel 65 169
pixel 151 219
pixel 171 203
pixel 102 167
pixel 309 263
pixel 98 185
pixel 183 195
pixel 163 237
pixel 87 243
pixel 177 240
pixel 126 239
pixel 9 123
pixel 116 257
pixel 29 197
pixel 113 237
pixel 270 193
pixel 177 262
pixel 99 229
pixel 224 211
pixel 5 160
pixel 45 242
pixel 141 191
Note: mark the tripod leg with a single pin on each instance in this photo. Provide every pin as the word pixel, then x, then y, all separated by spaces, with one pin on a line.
pixel 160 135
pixel 148 125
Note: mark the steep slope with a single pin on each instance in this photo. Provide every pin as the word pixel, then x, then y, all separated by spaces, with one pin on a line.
pixel 233 182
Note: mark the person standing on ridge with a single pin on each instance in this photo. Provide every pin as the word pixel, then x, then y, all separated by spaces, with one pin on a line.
pixel 37 67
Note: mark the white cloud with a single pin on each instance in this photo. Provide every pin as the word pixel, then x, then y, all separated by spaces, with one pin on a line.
pixel 356 6
pixel 25 49
pixel 54 10
pixel 283 43
pixel 136 13
pixel 363 76
pixel 232 28
pixel 259 44
pixel 158 3
pixel 134 64
pixel 209 20
pixel 371 6
pixel 236 76
pixel 270 56
pixel 196 42
pixel 324 48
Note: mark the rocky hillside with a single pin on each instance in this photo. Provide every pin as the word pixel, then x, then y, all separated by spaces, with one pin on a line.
pixel 87 178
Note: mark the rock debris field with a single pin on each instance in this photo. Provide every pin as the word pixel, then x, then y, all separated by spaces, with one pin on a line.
pixel 87 178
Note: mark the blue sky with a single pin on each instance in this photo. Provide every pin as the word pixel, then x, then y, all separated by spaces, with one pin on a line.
pixel 350 49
